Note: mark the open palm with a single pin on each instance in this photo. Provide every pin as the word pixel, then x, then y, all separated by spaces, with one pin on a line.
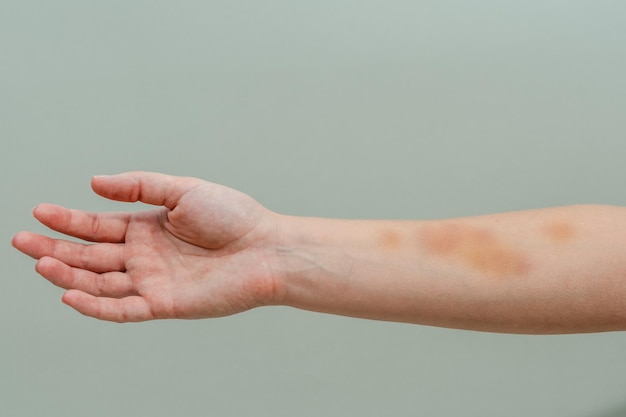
pixel 205 253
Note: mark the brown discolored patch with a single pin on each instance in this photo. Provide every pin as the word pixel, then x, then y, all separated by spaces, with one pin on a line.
pixel 476 247
pixel 389 239
pixel 559 231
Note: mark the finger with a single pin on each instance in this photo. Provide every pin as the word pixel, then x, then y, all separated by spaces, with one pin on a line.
pixel 110 284
pixel 122 310
pixel 101 257
pixel 94 227
pixel 147 187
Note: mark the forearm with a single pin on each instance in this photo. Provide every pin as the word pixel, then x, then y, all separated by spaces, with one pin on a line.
pixel 554 270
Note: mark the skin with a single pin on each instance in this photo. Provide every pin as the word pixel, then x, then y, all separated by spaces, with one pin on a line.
pixel 210 251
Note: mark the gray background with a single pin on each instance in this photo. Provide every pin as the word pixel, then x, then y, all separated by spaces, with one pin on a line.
pixel 363 109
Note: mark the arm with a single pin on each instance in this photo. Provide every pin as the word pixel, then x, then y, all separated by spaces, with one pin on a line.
pixel 558 270
pixel 211 251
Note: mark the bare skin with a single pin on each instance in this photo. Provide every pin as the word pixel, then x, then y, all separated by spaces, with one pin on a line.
pixel 211 251
pixel 201 255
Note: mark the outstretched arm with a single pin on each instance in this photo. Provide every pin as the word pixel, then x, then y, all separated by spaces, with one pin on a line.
pixel 211 251
pixel 557 270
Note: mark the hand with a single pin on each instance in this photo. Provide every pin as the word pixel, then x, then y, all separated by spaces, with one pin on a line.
pixel 205 253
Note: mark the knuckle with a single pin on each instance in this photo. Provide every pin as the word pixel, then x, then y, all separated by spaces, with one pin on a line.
pixel 100 287
pixel 85 257
pixel 95 227
pixel 135 191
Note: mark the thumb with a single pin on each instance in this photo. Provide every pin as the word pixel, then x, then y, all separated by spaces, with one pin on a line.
pixel 147 187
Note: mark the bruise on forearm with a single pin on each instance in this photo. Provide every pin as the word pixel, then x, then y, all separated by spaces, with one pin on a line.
pixel 558 231
pixel 556 270
pixel 495 249
pixel 476 247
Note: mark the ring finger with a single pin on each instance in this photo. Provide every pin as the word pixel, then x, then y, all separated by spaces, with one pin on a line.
pixel 109 284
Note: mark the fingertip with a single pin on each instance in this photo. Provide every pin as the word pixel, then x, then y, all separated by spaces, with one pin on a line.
pixel 66 298
pixel 39 210
pixel 110 186
pixel 16 237
pixel 72 298
pixel 44 208
pixel 51 215
pixel 82 302
pixel 41 263
pixel 15 240
pixel 44 264
pixel 20 240
pixel 97 179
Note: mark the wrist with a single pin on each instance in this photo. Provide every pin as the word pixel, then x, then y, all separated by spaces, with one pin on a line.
pixel 309 258
pixel 358 268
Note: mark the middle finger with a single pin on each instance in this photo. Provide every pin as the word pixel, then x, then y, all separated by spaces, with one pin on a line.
pixel 99 257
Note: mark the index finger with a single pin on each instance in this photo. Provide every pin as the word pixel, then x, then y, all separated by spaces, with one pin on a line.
pixel 93 227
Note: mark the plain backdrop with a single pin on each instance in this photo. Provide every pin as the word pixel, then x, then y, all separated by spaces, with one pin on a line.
pixel 348 109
